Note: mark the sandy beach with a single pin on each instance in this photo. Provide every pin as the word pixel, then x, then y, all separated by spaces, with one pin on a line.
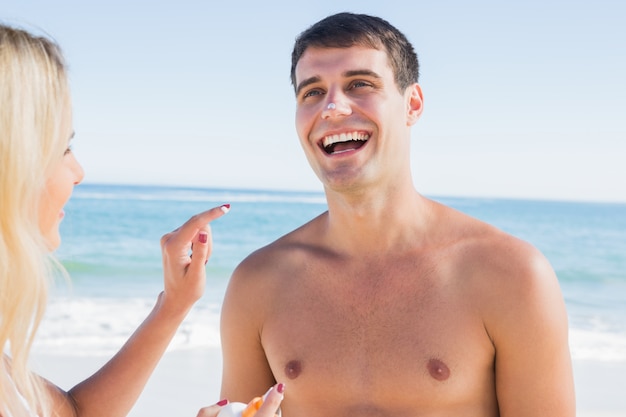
pixel 600 388
pixel 183 382
pixel 187 380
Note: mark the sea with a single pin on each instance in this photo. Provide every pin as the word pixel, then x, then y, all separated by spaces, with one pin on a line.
pixel 110 247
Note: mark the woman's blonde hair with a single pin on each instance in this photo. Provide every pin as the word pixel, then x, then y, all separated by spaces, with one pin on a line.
pixel 34 94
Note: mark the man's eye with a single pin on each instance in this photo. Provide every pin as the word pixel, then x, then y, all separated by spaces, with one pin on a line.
pixel 358 84
pixel 311 93
pixel 68 150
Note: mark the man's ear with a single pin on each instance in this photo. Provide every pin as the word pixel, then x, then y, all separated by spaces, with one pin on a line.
pixel 415 104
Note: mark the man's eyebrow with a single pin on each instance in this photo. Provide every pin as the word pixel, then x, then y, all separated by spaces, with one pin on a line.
pixel 306 82
pixel 354 73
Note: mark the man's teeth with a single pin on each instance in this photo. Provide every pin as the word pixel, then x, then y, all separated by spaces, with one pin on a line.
pixel 344 137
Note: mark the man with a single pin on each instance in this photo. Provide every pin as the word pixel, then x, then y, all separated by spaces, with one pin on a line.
pixel 389 304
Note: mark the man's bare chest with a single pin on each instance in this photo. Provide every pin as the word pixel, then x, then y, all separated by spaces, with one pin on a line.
pixel 382 330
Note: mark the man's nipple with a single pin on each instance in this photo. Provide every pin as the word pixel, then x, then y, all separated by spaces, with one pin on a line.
pixel 438 369
pixel 293 369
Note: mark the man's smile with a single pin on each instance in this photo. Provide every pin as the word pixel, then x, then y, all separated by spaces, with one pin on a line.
pixel 343 142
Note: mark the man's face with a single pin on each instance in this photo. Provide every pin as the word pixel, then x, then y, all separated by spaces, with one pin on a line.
pixel 351 118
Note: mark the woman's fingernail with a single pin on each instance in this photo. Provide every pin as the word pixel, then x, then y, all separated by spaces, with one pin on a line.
pixel 280 388
pixel 203 237
pixel 223 402
pixel 225 208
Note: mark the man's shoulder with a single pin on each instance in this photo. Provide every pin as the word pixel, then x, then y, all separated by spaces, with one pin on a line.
pixel 490 255
pixel 504 269
pixel 490 250
pixel 290 249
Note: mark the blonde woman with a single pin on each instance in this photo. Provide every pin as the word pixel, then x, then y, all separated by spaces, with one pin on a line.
pixel 37 174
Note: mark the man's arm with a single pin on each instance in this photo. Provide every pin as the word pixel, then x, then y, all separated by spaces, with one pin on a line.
pixel 529 329
pixel 246 372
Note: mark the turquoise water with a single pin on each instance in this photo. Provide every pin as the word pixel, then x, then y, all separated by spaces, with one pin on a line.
pixel 111 249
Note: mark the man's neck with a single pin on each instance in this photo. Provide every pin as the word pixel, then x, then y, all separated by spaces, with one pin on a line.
pixel 378 221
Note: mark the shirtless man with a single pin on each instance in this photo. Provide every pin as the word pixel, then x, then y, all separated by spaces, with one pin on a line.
pixel 389 304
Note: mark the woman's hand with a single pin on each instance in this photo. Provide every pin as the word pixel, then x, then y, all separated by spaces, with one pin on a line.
pixel 269 408
pixel 185 252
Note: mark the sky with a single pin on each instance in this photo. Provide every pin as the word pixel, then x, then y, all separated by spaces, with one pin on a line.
pixel 521 99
